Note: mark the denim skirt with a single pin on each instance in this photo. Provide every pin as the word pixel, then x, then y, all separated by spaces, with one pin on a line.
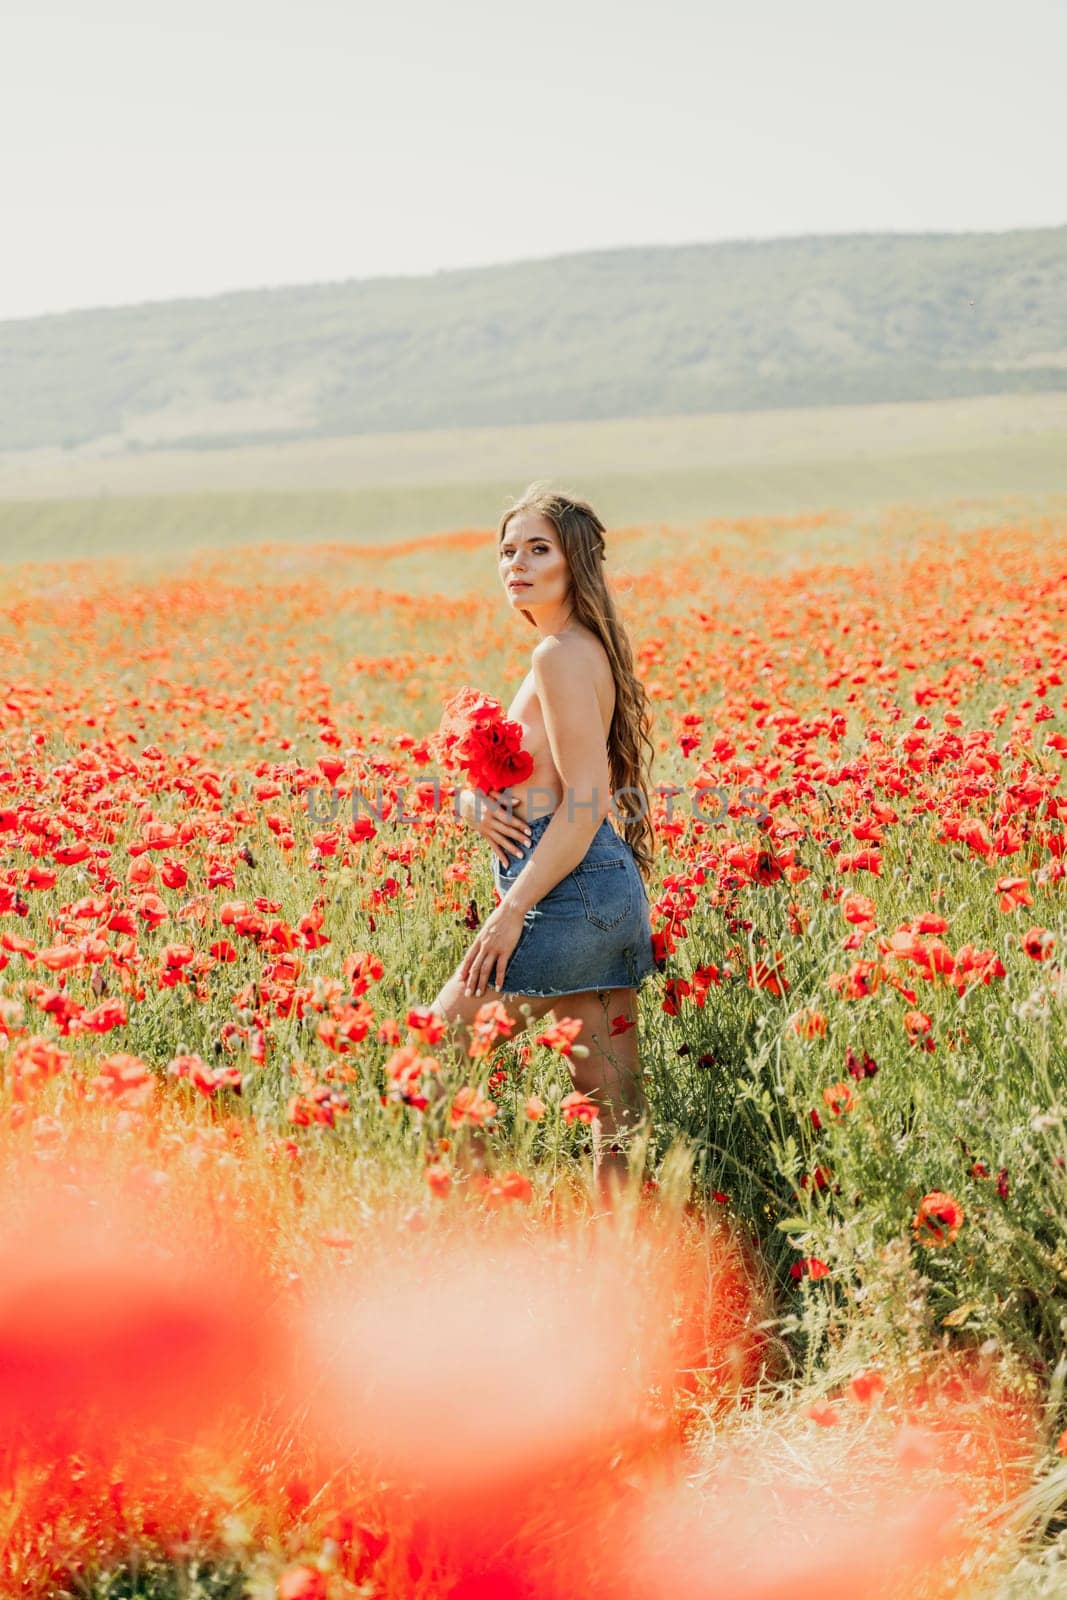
pixel 590 931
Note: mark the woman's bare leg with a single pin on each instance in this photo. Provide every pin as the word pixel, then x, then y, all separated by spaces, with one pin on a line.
pixel 459 1010
pixel 610 1074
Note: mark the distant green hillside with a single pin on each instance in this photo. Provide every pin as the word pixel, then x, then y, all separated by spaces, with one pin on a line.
pixel 609 333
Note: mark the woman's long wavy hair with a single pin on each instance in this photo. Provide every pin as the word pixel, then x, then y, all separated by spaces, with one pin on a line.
pixel 630 746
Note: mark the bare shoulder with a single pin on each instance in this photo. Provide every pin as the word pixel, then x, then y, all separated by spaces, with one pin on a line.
pixel 575 671
pixel 560 656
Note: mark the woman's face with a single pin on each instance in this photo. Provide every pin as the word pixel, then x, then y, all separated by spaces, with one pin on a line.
pixel 530 553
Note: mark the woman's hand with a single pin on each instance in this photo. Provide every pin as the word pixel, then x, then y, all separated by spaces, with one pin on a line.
pixel 494 822
pixel 487 959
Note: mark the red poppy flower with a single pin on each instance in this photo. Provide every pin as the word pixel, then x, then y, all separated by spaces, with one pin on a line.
pixel 578 1107
pixel 475 735
pixel 809 1267
pixel 938 1219
pixel 839 1098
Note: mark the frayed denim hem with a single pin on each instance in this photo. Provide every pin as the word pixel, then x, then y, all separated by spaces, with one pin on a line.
pixel 559 994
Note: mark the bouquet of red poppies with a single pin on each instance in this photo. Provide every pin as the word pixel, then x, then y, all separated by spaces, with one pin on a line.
pixel 476 738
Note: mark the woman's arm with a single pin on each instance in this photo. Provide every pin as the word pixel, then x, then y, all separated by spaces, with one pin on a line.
pixel 571 712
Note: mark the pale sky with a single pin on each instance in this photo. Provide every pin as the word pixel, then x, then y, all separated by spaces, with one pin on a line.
pixel 150 151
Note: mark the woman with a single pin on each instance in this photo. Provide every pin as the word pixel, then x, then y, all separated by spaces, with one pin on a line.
pixel 571 933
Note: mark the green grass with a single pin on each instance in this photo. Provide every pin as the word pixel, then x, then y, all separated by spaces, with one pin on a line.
pixel 684 471
pixel 156 1578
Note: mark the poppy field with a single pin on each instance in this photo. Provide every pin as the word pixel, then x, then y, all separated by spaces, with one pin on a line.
pixel 298 1301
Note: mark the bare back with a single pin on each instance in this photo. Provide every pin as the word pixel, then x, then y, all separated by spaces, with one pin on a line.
pixel 532 796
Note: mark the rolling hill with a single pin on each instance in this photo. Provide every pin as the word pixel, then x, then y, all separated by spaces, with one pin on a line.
pixel 635 332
